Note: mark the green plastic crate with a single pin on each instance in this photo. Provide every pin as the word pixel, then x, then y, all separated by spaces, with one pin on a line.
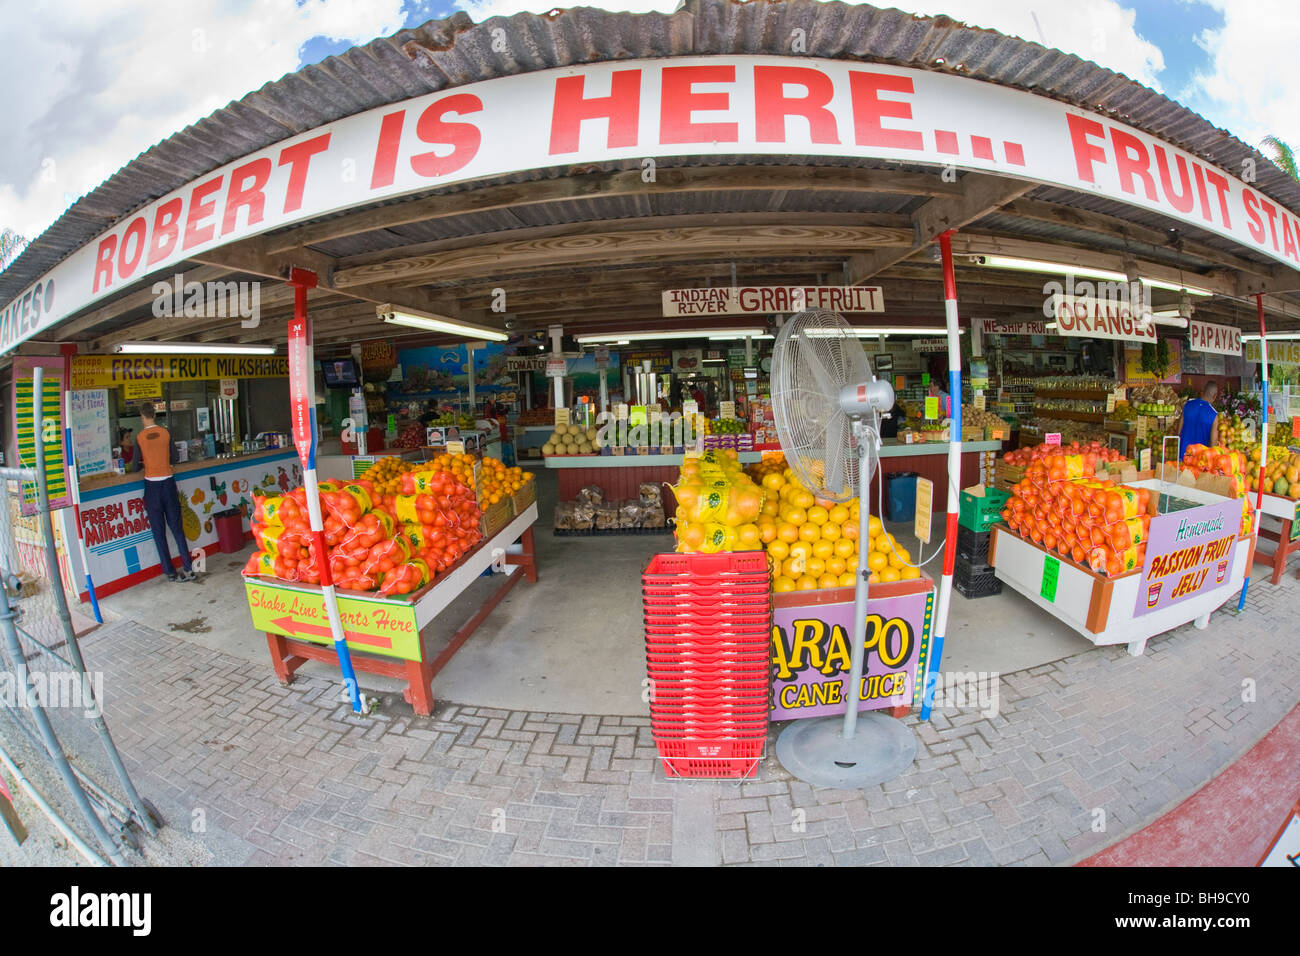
pixel 981 512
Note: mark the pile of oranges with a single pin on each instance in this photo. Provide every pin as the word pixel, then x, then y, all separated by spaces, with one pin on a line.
pixel 493 482
pixel 814 543
pixel 386 474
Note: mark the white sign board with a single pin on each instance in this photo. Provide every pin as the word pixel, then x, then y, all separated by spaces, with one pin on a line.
pixel 1088 317
pixel 228 388
pixel 996 327
pixel 630 110
pixel 766 300
pixel 88 419
pixel 1207 337
pixel 929 345
pixel 557 368
pixel 1279 353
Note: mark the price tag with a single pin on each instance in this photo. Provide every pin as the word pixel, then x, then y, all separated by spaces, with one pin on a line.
pixel 1144 459
pixel 1295 427
pixel 925 379
pixel 1141 427
pixel 392 422
pixel 1051 574
pixel 665 449
pixel 1295 524
pixel 727 410
pixel 924 500
pixel 455 448
pixel 561 416
pixel 900 382
pixel 689 408
pixel 654 410
pixel 643 449
pixel 620 411
pixel 932 407
pixel 1248 431
pixel 1110 403
pixel 997 435
pixel 979 403
pixel 617 450
pixel 1052 438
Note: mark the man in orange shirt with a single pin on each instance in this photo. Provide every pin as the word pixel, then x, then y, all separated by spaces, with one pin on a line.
pixel 162 501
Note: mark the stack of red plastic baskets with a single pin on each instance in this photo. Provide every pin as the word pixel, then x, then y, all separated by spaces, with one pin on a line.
pixel 708 624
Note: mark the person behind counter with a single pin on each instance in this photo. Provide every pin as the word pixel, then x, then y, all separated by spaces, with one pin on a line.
pixel 127 444
pixel 162 502
pixel 889 423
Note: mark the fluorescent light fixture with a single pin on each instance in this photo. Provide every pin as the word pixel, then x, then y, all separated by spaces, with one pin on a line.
pixel 623 342
pixel 411 318
pixel 1062 268
pixel 729 337
pixel 193 348
pixel 1050 325
pixel 1273 337
pixel 653 336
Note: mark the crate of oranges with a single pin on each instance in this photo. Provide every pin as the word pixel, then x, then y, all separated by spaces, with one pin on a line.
pixel 813 544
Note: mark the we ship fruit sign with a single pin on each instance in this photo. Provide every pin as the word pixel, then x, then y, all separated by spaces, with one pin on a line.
pixel 634 110
pixel 1189 553
pixel 811 644
pixel 376 626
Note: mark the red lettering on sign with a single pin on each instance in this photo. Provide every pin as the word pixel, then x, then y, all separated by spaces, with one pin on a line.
pixel 678 101
pixel 200 209
pixel 1131 160
pixel 1181 199
pixel 390 140
pixel 869 109
pixel 463 138
pixel 1085 153
pixel 772 105
pixel 622 109
pixel 1220 185
pixel 166 230
pixel 247 183
pixel 138 229
pixel 104 262
pixel 1253 223
pixel 298 158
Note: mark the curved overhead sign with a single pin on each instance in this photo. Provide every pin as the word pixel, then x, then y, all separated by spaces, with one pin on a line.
pixel 647 111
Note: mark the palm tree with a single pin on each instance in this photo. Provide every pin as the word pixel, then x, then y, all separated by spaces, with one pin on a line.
pixel 11 244
pixel 1283 156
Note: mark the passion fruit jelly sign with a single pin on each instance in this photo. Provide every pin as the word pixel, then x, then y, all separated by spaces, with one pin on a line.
pixel 1189 553
pixel 812 643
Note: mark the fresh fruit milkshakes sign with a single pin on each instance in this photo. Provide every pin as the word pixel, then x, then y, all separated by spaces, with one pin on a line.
pixel 655 109
pixel 1189 553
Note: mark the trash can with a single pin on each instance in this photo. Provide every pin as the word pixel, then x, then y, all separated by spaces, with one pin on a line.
pixel 230 531
pixel 901 486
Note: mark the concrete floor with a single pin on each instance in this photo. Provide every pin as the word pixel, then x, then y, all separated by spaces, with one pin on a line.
pixel 572 642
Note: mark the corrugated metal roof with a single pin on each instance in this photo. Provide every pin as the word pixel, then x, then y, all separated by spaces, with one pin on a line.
pixel 456 51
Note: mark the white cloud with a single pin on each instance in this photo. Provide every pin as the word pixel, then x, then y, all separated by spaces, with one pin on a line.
pixel 1251 86
pixel 91 84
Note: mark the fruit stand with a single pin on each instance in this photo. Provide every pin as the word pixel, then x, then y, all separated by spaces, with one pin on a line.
pixel 1286 539
pixel 387 635
pixel 1181 579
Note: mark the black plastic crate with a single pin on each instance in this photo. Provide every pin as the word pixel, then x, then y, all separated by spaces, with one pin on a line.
pixel 975 580
pixel 973 546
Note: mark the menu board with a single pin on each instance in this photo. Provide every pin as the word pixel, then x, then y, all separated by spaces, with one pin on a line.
pixel 88 419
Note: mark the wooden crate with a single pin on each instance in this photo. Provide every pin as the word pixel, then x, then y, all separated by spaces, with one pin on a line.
pixel 1006 475
pixel 522 498
pixel 495 517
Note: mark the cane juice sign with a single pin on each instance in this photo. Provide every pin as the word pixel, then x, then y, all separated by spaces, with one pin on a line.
pixel 811 648
pixel 377 627
pixel 1189 553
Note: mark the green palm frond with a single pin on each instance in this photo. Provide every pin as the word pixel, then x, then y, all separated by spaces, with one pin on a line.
pixel 1282 155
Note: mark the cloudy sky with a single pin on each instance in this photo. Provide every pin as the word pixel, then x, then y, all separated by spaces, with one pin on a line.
pixel 92 83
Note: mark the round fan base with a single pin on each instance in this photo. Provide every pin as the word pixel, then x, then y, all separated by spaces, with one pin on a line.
pixel 816 752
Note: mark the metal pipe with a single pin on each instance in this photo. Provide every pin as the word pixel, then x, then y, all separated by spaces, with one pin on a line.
pixel 51 814
pixel 70 633
pixel 1263 437
pixel 866 446
pixel 954 469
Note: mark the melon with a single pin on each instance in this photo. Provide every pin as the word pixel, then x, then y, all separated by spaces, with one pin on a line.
pixel 1281 486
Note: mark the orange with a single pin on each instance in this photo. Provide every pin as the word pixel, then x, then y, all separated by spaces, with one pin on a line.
pixel 773 482
pixel 747 537
pixel 884 542
pixel 822 549
pixel 793 567
pixel 818 515
pixel 835 566
pixel 809 532
pixel 845 548
pixel 783 585
pixel 771 507
pixel 778 550
pixel 850 530
pixel 873 578
pixel 839 514
pixel 801 549
pixel 846 580
pixel 767 531
pixel 803 499
pixel 806 583
pixel 787 532
pixel 851 564
pixel 890 574
pixel 815 567
pixel 691 535
pixel 831 531
pixel 795 515
pixel 877 561
pixel 828 581
pixel 899 560
pixel 909 574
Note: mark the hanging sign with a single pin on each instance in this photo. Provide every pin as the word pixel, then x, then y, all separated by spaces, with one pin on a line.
pixel 1052 438
pixel 88 419
pixel 556 368
pixel 996 327
pixel 1207 337
pixel 766 300
pixel 43 430
pixel 1279 353
pixel 141 391
pixel 113 371
pixel 229 388
pixel 561 416
pixel 526 363
pixel 929 345
pixel 924 506
pixel 1093 318
pixel 302 385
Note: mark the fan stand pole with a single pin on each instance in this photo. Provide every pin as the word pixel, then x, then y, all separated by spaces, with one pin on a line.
pixel 828 751
pixel 1263 436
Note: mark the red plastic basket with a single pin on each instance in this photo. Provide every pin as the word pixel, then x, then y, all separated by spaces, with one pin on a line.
pixel 717 749
pixel 745 586
pixel 702 768
pixel 674 565
pixel 710 726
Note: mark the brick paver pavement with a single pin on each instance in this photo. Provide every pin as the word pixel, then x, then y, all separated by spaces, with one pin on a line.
pixel 287 775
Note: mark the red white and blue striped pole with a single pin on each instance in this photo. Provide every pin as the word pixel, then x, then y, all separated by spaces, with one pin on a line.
pixel 1263 437
pixel 954 472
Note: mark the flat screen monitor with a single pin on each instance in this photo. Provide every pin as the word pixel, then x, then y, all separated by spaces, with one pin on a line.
pixel 339 373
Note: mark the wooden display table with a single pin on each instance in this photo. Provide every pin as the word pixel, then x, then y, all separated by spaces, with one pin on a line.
pixel 1286 539
pixel 386 635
